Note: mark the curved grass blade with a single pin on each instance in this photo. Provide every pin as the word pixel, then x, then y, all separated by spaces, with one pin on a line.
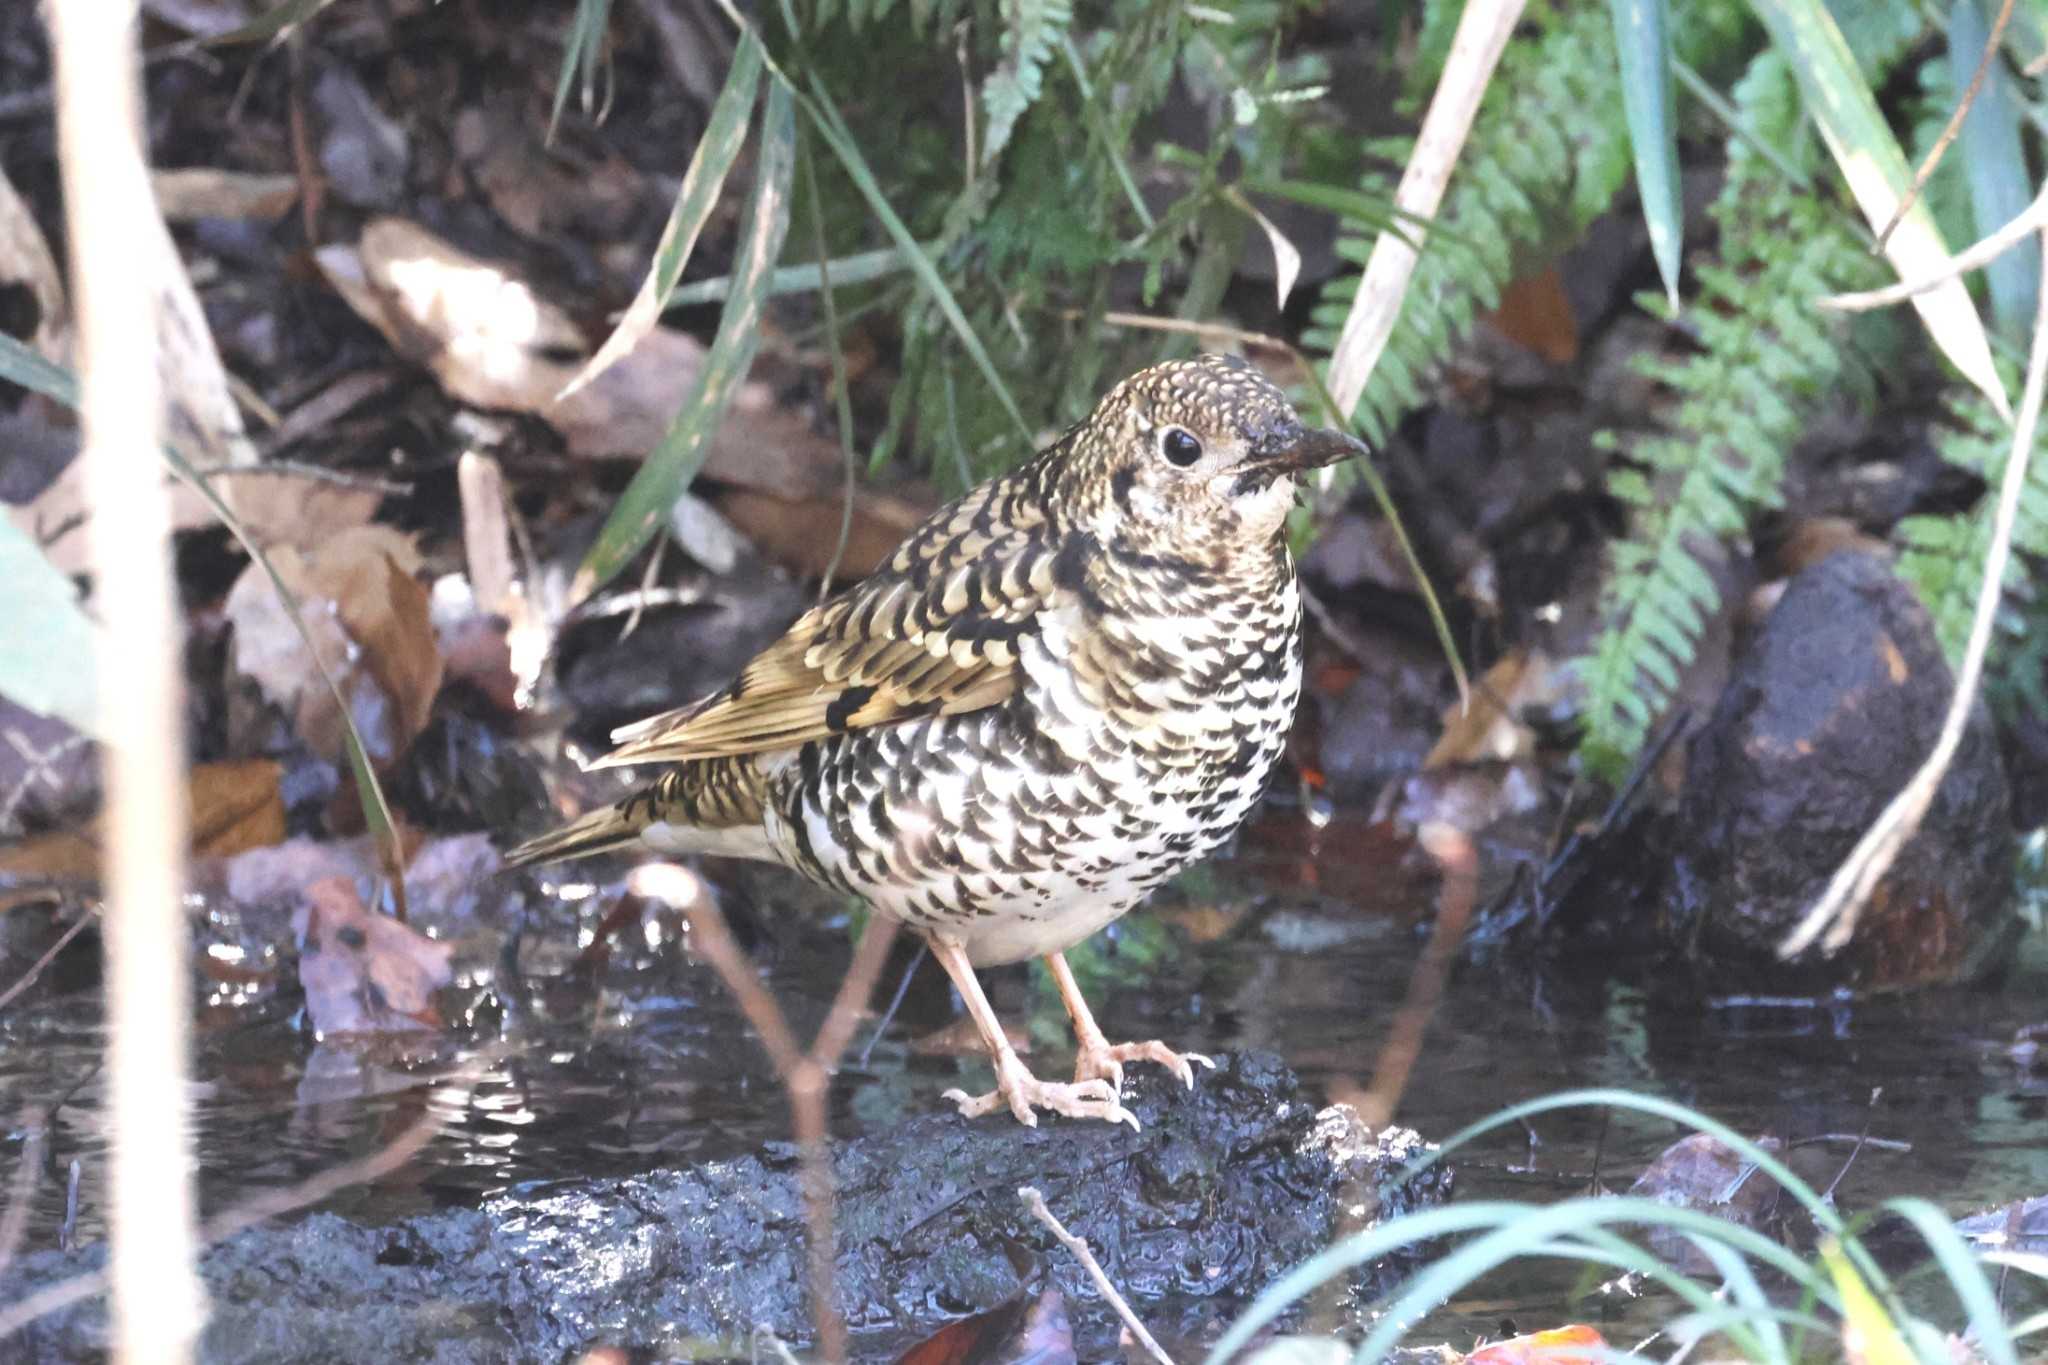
pixel 1959 1264
pixel 1533 1232
pixel 1492 1217
pixel 644 506
pixel 1642 40
pixel 23 366
pixel 862 267
pixel 837 137
pixel 1995 162
pixel 702 184
pixel 1862 144
pixel 580 53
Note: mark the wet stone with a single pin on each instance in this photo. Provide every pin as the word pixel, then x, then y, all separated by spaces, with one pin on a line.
pixel 1226 1188
pixel 1828 713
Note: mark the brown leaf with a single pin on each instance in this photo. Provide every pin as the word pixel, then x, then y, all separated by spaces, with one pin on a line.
pixel 368 616
pixel 802 533
pixel 210 192
pixel 492 341
pixel 1488 730
pixel 1535 313
pixel 1026 1327
pixel 280 507
pixel 1573 1345
pixel 234 805
pixel 364 973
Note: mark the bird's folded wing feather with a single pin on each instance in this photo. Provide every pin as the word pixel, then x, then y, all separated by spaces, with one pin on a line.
pixel 934 632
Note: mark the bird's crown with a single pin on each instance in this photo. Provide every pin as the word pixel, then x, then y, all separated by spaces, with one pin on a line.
pixel 1192 457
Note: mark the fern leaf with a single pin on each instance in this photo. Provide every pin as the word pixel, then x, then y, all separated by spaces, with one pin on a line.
pixel 1766 360
pixel 1033 31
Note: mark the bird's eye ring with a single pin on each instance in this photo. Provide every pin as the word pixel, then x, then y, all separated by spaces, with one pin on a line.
pixel 1180 447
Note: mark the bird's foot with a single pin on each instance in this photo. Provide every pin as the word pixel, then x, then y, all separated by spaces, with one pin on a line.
pixel 1024 1094
pixel 1101 1060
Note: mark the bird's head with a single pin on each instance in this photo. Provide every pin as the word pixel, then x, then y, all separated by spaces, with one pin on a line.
pixel 1196 458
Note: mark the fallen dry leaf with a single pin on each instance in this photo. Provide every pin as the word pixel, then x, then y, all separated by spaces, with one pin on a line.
pixel 1573 1345
pixel 368 617
pixel 493 342
pixel 1534 312
pixel 209 192
pixel 234 806
pixel 284 507
pixel 1488 730
pixel 802 533
pixel 364 973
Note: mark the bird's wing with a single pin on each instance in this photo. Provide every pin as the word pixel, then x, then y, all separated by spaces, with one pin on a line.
pixel 933 632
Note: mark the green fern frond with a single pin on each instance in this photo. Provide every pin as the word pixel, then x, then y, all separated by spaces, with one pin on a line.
pixel 1031 34
pixel 1942 557
pixel 1765 359
pixel 1546 155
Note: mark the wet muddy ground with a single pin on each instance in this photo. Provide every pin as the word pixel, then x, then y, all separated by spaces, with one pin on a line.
pixel 641 1059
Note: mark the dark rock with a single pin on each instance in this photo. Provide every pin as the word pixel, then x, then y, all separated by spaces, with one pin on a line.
pixel 1829 712
pixel 1223 1190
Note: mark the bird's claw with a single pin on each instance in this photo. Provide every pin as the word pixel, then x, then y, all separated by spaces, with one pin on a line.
pixel 1102 1060
pixel 1023 1094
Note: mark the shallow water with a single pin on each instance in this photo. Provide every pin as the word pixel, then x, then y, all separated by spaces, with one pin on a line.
pixel 645 1060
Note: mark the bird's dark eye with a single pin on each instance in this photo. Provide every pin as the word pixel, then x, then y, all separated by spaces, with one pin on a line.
pixel 1180 447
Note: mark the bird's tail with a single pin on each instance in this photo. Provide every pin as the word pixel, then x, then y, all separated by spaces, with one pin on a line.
pixel 711 805
pixel 600 831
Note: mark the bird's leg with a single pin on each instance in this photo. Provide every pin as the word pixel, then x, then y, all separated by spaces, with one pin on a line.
pixel 1016 1087
pixel 1100 1059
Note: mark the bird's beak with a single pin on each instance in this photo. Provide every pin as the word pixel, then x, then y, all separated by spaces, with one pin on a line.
pixel 1297 448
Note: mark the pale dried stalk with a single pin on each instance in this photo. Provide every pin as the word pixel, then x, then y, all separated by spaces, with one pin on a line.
pixel 1035 1202
pixel 1482 35
pixel 1952 128
pixel 1835 914
pixel 2030 220
pixel 157 1303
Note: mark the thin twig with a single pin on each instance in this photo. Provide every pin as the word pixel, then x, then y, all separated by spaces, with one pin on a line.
pixel 116 286
pixel 1482 34
pixel 1035 1202
pixel 1953 127
pixel 49 955
pixel 2029 221
pixel 312 473
pixel 805 1076
pixel 1836 912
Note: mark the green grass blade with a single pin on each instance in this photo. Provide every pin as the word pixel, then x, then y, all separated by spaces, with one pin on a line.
pixel 1996 164
pixel 1642 40
pixel 863 267
pixel 580 51
pixel 1965 1276
pixel 703 182
pixel 23 366
pixel 1862 144
pixel 47 646
pixel 670 466
pixel 1766 1162
pixel 1533 1229
pixel 834 131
